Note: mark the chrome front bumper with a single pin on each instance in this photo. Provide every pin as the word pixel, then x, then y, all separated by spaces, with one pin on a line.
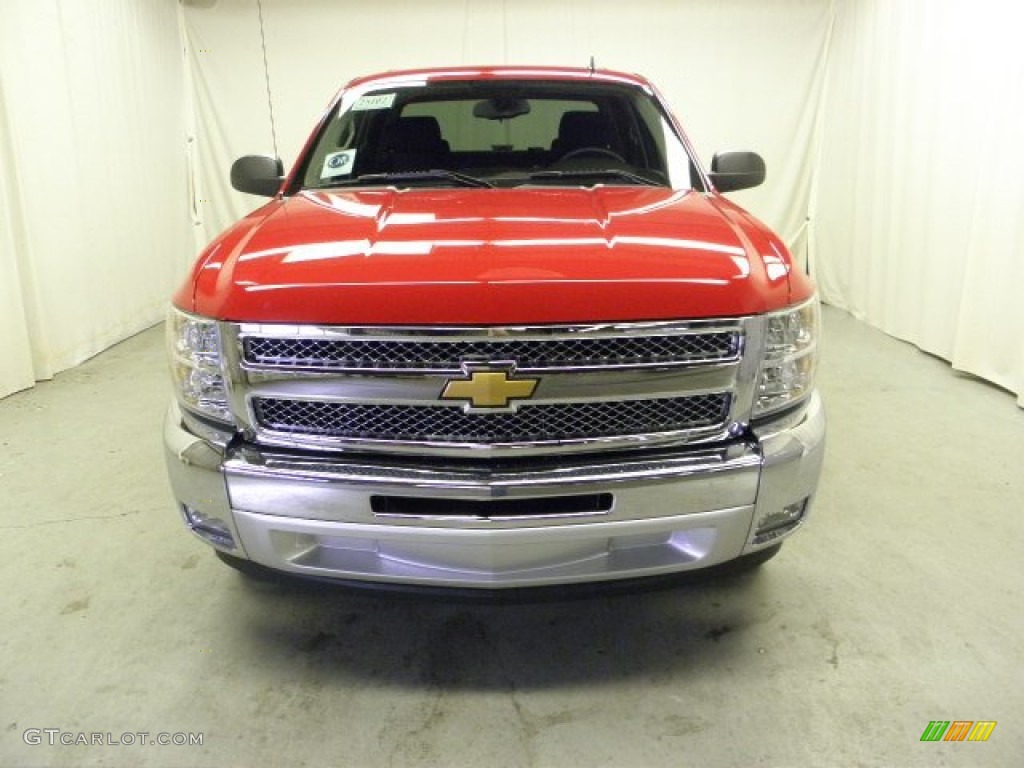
pixel 672 510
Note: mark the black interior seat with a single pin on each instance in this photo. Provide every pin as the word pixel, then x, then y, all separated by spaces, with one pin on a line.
pixel 582 129
pixel 413 144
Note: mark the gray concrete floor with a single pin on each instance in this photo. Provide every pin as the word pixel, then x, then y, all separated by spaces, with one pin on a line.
pixel 899 604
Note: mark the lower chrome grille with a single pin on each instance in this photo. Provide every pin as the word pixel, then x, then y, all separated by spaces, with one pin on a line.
pixel 541 423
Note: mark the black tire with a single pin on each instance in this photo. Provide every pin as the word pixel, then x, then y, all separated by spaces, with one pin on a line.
pixel 753 560
pixel 247 568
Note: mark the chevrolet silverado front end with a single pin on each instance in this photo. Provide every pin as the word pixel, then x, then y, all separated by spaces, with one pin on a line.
pixel 496 329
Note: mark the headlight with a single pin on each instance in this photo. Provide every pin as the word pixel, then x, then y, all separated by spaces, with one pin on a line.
pixel 790 357
pixel 194 347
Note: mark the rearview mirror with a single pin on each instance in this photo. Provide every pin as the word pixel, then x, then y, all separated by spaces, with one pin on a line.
pixel 257 175
pixel 737 170
pixel 501 108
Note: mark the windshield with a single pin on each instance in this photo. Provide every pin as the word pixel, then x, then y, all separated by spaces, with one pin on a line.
pixel 498 134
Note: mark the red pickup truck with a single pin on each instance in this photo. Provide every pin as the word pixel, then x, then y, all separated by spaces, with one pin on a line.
pixel 496 328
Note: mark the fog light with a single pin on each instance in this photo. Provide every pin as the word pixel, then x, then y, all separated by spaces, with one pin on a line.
pixel 779 522
pixel 212 529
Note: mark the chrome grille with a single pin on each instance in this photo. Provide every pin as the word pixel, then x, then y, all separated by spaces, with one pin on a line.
pixel 376 354
pixel 542 423
pixel 600 386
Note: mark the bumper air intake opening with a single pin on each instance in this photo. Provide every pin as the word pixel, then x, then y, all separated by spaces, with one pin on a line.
pixel 490 509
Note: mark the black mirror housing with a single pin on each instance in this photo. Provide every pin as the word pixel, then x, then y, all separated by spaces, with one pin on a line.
pixel 501 108
pixel 737 170
pixel 257 175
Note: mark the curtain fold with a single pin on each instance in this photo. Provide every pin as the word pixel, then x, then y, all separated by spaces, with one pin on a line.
pixel 16 370
pixel 93 178
pixel 920 202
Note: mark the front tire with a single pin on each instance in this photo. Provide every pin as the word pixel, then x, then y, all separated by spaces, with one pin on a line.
pixel 247 568
pixel 754 560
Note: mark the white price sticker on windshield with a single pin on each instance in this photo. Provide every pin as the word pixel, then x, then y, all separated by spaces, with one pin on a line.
pixel 338 164
pixel 374 101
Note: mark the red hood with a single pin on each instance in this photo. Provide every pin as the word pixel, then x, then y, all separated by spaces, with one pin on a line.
pixel 492 256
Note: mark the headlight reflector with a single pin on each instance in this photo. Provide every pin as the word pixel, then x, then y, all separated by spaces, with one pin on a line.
pixel 790 357
pixel 194 347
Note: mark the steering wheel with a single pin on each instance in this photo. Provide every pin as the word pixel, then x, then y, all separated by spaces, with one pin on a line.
pixel 592 151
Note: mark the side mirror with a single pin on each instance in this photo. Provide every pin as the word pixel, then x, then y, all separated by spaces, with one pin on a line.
pixel 257 175
pixel 737 170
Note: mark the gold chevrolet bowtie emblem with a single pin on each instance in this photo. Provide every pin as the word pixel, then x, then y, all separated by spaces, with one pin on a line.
pixel 489 389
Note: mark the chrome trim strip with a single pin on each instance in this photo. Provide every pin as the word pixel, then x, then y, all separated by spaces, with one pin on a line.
pixel 459 332
pixel 439 480
pixel 503 450
pixel 419 389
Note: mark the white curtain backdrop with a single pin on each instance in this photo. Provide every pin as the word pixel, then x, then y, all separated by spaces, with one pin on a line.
pixel 740 74
pixel 93 193
pixel 919 212
pixel 16 370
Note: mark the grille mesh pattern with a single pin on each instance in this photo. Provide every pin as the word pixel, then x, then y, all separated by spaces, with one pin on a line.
pixel 534 423
pixel 383 354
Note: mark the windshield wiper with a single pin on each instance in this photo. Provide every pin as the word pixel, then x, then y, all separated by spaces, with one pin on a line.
pixel 596 173
pixel 434 174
